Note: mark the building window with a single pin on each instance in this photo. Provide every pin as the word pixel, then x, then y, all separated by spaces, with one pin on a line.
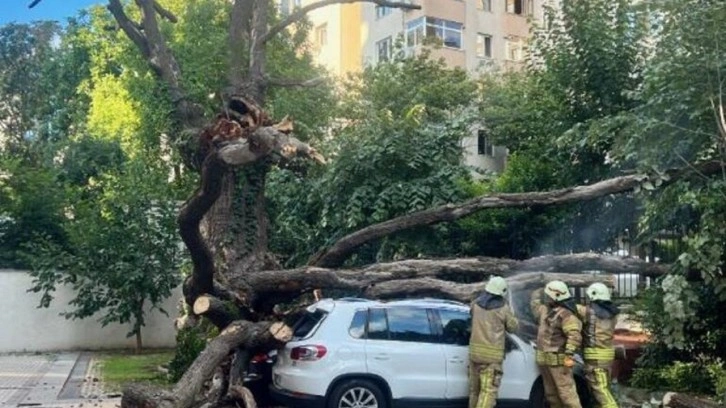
pixel 483 145
pixel 483 45
pixel 284 7
pixel 382 11
pixel 385 49
pixel 519 7
pixel 321 35
pixel 514 49
pixel 486 5
pixel 449 32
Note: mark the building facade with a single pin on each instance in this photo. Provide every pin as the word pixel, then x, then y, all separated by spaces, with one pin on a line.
pixel 476 35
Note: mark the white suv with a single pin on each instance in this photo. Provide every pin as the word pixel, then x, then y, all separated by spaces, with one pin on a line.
pixel 357 353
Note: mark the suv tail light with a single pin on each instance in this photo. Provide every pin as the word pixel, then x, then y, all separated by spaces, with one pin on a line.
pixel 259 358
pixel 308 353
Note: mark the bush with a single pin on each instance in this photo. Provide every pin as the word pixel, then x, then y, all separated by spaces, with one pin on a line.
pixel 698 378
pixel 190 341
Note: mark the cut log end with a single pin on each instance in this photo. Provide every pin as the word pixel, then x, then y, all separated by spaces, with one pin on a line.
pixel 281 332
pixel 202 305
pixel 213 309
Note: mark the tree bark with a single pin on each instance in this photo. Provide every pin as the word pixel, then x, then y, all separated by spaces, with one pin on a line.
pixel 338 252
pixel 238 334
pixel 241 393
pixel 436 277
pixel 139 345
pixel 678 400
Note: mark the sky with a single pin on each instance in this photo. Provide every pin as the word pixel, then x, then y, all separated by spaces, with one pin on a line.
pixel 18 11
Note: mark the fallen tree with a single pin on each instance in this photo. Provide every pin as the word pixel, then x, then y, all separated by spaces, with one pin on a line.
pixel 238 274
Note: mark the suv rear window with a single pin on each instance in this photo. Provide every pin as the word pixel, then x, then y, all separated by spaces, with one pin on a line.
pixel 357 328
pixel 305 327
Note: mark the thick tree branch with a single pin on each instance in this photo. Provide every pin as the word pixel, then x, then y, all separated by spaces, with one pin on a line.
pixel 239 31
pixel 155 51
pixel 449 276
pixel 298 15
pixel 160 56
pixel 130 28
pixel 213 309
pixel 164 12
pixel 336 254
pixel 257 86
pixel 190 216
pixel 423 287
pixel 238 334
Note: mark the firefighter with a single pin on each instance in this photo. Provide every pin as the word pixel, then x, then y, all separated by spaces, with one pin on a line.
pixel 599 318
pixel 559 336
pixel 491 318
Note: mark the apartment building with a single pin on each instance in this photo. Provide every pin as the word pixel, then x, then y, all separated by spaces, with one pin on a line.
pixel 476 35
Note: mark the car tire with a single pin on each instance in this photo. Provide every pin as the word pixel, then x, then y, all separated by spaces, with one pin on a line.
pixel 348 392
pixel 536 396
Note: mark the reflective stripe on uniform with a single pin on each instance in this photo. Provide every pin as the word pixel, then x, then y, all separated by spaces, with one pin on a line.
pixel 486 352
pixel 548 358
pixel 485 379
pixel 601 377
pixel 599 354
pixel 571 327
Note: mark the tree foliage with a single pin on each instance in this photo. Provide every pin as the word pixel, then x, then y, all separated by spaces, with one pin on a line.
pixel 680 123
pixel 395 149
pixel 559 117
pixel 123 255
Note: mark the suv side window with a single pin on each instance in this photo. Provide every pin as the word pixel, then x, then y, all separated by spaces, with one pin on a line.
pixel 410 324
pixel 357 328
pixel 456 327
pixel 377 324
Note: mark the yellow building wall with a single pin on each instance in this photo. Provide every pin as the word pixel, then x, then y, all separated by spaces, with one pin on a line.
pixel 351 52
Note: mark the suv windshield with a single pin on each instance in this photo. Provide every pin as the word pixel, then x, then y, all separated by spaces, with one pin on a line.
pixel 305 327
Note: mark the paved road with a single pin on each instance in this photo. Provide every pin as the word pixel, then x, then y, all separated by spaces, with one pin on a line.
pixel 46 380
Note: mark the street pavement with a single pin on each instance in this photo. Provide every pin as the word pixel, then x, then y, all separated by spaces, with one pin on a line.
pixel 49 380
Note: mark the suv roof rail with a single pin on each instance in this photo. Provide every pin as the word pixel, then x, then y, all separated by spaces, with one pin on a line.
pixel 445 301
pixel 353 299
pixel 431 300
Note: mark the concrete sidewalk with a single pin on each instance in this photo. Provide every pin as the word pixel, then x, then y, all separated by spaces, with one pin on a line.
pixel 47 380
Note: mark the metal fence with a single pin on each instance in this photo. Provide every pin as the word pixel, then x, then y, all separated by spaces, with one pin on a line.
pixel 666 247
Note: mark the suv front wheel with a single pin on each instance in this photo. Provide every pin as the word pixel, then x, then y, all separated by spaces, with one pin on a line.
pixel 357 393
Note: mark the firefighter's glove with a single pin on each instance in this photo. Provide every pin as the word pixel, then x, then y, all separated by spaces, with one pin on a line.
pixel 569 362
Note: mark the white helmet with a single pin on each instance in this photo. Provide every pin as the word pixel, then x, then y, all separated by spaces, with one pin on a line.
pixel 496 286
pixel 557 290
pixel 598 291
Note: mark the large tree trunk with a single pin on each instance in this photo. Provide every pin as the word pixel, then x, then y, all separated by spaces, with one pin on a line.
pixel 678 400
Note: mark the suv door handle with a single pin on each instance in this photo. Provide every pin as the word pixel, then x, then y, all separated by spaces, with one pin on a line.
pixel 381 357
pixel 456 360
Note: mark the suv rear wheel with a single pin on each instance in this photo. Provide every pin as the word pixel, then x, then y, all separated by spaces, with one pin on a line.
pixel 357 393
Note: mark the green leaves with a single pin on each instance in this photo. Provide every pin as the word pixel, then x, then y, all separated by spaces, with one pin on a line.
pixel 123 253
pixel 396 150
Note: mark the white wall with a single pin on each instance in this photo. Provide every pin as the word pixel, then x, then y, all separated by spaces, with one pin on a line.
pixel 24 327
